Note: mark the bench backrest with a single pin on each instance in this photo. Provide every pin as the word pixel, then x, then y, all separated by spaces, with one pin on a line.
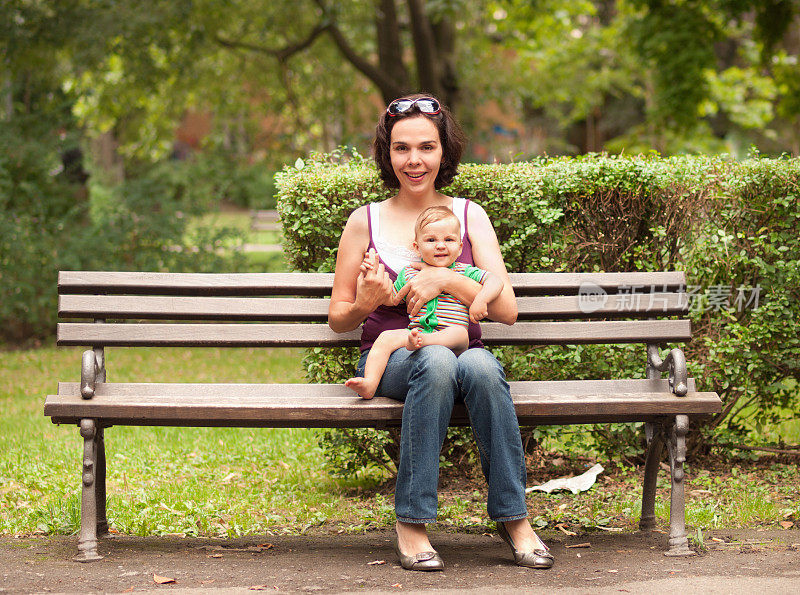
pixel 290 309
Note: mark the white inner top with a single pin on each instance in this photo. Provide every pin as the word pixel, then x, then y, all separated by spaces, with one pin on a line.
pixel 395 256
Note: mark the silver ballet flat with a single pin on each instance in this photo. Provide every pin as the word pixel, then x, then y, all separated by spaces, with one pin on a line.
pixel 541 559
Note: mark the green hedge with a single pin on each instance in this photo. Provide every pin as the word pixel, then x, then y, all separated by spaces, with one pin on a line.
pixel 732 226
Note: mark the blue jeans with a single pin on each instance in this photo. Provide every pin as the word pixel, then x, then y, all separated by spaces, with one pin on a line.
pixel 429 381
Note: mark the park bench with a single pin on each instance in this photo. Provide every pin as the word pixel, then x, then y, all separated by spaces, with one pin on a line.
pixel 290 310
pixel 267 220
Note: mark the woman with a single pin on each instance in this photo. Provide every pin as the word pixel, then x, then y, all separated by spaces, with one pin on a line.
pixel 418 147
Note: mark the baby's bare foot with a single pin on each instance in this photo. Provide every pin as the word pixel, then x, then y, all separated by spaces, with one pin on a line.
pixel 414 340
pixel 361 386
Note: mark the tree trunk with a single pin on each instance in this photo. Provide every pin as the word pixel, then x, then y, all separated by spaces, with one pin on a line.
pixel 104 148
pixel 445 35
pixel 390 52
pixel 8 96
pixel 425 51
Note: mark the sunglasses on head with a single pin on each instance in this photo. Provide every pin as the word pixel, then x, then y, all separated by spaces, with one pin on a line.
pixel 427 105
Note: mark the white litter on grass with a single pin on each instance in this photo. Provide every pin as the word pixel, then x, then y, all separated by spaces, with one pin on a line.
pixel 579 483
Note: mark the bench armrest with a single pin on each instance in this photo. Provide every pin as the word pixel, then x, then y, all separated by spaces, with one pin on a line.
pixel 675 364
pixel 90 368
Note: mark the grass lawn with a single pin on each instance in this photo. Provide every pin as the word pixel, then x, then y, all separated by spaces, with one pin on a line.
pixel 230 482
pixel 207 481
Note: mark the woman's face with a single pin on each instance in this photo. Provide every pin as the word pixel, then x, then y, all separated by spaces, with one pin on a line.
pixel 416 153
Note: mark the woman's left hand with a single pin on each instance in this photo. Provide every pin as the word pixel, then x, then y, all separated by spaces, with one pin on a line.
pixel 426 285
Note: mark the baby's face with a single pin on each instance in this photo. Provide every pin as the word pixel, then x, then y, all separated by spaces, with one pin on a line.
pixel 439 243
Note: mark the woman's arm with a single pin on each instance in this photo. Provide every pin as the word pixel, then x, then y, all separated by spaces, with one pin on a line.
pixel 486 255
pixel 356 293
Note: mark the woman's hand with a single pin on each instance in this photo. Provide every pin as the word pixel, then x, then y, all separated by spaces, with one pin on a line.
pixel 373 286
pixel 360 283
pixel 426 285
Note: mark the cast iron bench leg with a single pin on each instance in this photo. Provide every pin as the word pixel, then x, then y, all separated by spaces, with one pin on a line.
pixel 100 483
pixel 655 448
pixel 678 541
pixel 87 540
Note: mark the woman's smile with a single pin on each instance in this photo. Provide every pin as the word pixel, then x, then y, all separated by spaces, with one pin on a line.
pixel 416 177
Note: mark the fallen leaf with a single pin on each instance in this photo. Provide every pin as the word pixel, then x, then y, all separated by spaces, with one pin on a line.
pixel 587 544
pixel 700 492
pixel 163 580
pixel 376 562
pixel 563 528
pixel 266 546
pixel 718 540
pixel 786 524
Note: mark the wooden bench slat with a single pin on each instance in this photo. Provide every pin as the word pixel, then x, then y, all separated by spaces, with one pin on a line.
pixel 620 305
pixel 319 284
pixel 571 283
pixel 308 392
pixel 266 226
pixel 299 284
pixel 333 405
pixel 312 335
pixel 192 308
pixel 266 214
pixel 316 309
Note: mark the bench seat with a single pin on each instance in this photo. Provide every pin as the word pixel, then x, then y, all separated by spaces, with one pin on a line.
pixel 333 405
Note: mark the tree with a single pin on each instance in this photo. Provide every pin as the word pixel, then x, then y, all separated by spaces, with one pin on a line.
pixel 432 35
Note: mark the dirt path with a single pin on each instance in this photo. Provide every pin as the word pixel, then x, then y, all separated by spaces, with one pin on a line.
pixel 734 562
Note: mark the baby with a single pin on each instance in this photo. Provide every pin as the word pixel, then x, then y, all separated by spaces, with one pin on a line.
pixel 444 319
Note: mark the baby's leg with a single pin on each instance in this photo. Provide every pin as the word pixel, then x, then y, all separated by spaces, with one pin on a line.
pixel 455 337
pixel 386 344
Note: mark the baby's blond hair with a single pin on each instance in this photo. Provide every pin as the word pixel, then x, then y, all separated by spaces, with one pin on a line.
pixel 432 215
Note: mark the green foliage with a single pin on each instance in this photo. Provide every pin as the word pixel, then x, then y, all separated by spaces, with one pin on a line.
pixel 677 38
pixel 47 225
pixel 732 226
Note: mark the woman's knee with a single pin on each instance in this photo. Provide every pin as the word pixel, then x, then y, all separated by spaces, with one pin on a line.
pixel 479 366
pixel 435 365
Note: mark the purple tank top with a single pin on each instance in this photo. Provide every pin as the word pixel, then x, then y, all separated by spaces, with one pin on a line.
pixel 396 317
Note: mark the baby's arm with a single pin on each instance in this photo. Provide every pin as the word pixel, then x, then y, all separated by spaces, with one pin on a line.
pixel 491 288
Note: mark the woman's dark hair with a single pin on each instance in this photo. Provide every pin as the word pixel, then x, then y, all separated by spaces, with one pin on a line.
pixel 450 135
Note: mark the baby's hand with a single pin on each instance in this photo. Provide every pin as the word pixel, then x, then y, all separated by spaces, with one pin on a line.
pixel 478 311
pixel 370 261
